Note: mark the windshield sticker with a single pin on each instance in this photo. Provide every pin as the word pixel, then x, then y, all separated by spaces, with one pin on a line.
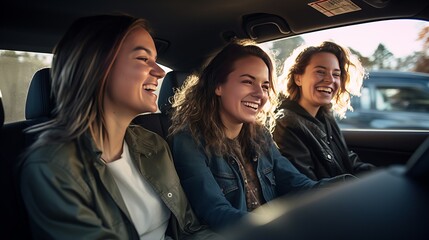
pixel 334 7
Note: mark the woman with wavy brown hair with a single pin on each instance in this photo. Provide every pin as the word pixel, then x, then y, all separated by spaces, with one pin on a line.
pixel 317 83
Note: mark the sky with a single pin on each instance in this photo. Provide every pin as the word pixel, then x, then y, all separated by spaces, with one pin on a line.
pixel 398 36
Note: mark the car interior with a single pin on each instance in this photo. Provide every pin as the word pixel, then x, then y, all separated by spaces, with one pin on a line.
pixel 390 203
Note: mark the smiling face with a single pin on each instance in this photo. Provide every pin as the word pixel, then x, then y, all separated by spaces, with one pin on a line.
pixel 134 77
pixel 244 93
pixel 319 82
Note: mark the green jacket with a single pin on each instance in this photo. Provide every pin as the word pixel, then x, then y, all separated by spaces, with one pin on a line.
pixel 70 194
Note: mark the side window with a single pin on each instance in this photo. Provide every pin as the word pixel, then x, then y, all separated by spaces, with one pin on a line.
pixel 365 100
pixel 16 70
pixel 382 99
pixel 406 99
pixel 395 96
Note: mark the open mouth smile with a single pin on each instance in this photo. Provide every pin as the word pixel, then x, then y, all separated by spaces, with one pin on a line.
pixel 251 105
pixel 150 87
pixel 325 89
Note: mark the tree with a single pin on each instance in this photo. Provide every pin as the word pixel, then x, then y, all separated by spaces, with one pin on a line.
pixel 283 48
pixel 408 63
pixel 422 64
pixel 366 63
pixel 382 57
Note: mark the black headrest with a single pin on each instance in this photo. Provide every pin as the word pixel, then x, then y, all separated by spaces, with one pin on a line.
pixel 39 102
pixel 172 81
pixel 1 111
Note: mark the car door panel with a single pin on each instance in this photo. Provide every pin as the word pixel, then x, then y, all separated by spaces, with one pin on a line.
pixel 384 147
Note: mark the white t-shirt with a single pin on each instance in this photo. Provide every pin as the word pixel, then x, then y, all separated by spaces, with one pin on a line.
pixel 148 212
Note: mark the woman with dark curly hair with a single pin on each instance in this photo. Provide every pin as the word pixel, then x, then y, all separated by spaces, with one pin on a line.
pixel 317 83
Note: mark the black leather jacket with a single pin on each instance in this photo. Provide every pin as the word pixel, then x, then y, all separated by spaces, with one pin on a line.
pixel 315 145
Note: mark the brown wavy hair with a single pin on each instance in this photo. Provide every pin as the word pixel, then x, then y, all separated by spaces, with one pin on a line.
pixel 196 107
pixel 352 75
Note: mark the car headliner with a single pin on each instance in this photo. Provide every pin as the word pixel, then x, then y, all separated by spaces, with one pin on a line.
pixel 186 31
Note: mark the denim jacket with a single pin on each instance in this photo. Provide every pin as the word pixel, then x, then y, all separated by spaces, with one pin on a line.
pixel 214 184
pixel 70 194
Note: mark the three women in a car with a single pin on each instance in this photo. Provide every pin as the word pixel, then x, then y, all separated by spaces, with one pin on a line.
pixel 221 144
pixel 90 175
pixel 318 82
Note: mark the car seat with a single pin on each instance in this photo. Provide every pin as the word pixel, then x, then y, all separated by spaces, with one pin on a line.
pixel 13 142
pixel 160 122
pixel 1 111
